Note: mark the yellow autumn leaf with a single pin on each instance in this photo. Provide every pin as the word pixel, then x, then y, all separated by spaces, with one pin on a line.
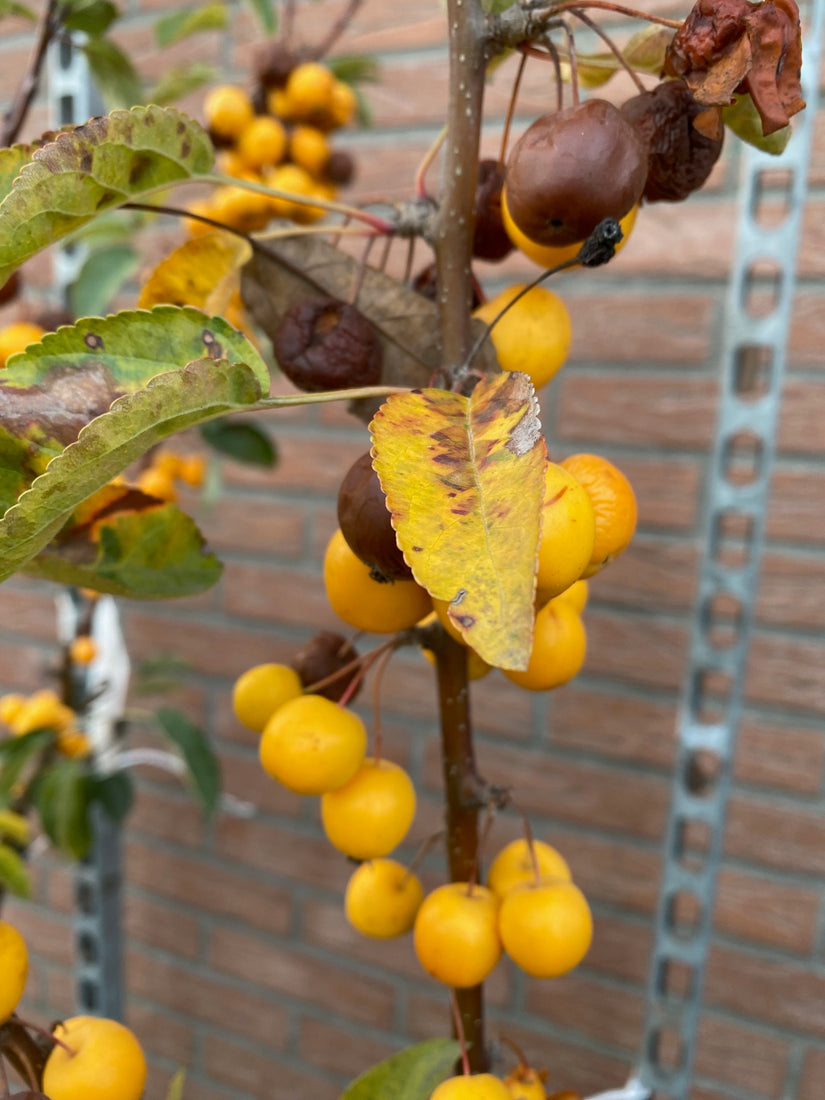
pixel 205 272
pixel 464 478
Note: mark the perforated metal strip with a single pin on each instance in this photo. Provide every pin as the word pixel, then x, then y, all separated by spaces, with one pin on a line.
pixel 757 322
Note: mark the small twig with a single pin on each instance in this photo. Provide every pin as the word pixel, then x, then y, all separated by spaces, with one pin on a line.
pixel 385 254
pixel 409 260
pixel 38 1030
pixel 423 848
pixel 600 5
pixel 16 114
pixel 611 45
pixel 572 61
pixel 429 157
pixel 458 1023
pixel 336 30
pixel 358 274
pixel 381 664
pixel 511 108
pixel 4 1081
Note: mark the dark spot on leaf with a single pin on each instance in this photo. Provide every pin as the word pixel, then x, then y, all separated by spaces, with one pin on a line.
pixel 86 160
pixel 418 548
pixel 214 348
pixel 465 621
pixel 141 165
pixel 459 596
pixel 181 127
pixel 93 341
pixel 460 511
pixel 446 460
pixel 186 148
pixel 104 199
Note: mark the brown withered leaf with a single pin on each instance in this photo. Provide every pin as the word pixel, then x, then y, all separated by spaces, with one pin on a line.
pixel 297 268
pixel 727 46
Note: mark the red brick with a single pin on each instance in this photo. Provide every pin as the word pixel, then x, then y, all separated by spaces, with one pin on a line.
pixel 786 670
pixel 205 885
pixel 786 837
pixel 791 590
pixel 46 934
pixel 655 573
pixel 24 666
pixel 754 907
pixel 748 1059
pixel 807 329
pixel 774 754
pixel 667 490
pixel 343 1052
pixel 31 608
pixel 791 995
pixel 160 1034
pixel 813 1075
pixel 622 727
pixel 254 1074
pixel 635 649
pixel 278 594
pixel 667 411
pixel 620 947
pixel 159 925
pixel 612 872
pixel 255 523
pixel 312 465
pixel 169 817
pixel 794 511
pixel 671 327
pixel 275 848
pixel 801 419
pixel 207 998
pixel 589 1006
pixel 291 971
pixel 244 777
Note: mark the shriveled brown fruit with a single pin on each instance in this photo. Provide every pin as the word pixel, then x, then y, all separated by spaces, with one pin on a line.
pixel 273 63
pixel 340 168
pixel 727 46
pixel 327 344
pixel 680 158
pixel 490 239
pixel 365 522
pixel 573 168
pixel 323 655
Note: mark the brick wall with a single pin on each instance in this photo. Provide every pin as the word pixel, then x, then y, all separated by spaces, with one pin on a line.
pixel 240 965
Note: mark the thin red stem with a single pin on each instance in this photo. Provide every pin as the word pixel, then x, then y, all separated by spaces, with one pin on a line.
pixel 47 1035
pixel 611 45
pixel 336 30
pixel 511 108
pixel 459 1029
pixel 618 9
pixel 429 157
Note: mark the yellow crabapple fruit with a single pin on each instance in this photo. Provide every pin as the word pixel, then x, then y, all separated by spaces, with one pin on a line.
pixel 568 532
pixel 382 898
pixel 455 934
pixel 514 865
pixel 559 649
pixel 106 1062
pixel 14 968
pixel 471 1086
pixel 372 813
pixel 313 745
pixel 546 926
pixel 259 692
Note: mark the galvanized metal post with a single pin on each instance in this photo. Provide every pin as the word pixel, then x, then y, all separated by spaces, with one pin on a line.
pixel 98 950
pixel 757 321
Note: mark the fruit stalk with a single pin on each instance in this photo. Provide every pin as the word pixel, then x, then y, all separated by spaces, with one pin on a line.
pixel 461 786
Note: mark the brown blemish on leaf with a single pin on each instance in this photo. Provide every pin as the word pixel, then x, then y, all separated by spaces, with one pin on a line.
pixel 214 348
pixel 93 341
pixel 65 401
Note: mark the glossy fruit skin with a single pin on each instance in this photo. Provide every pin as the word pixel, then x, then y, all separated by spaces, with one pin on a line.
pixel 513 865
pixel 263 142
pixel 370 816
pixel 259 692
pixel 614 506
pixel 382 898
pixel 365 522
pixel 548 255
pixel 568 532
pixel 559 649
pixel 571 169
pixel 474 1086
pixel 490 239
pixel 365 603
pixel 525 1084
pixel 108 1063
pixel 575 596
pixel 455 935
pixel 312 745
pixel 533 335
pixel 14 968
pixel 546 927
pixel 227 110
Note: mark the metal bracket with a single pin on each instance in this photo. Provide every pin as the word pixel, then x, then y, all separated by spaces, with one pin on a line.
pixel 757 322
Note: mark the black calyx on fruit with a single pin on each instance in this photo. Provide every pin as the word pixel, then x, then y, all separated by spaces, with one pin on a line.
pixel 340 168
pixel 365 522
pixel 680 157
pixel 573 168
pixel 490 239
pixel 323 656
pixel 327 344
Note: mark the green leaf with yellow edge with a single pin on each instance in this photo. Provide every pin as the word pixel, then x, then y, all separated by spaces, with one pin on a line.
pixel 175 1089
pixel 204 271
pixel 14 875
pixel 412 1074
pixel 464 478
pixel 743 119
pixel 181 24
pixel 154 554
pixel 50 391
pixel 169 403
pixel 83 172
pixel 644 52
pixel 180 81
